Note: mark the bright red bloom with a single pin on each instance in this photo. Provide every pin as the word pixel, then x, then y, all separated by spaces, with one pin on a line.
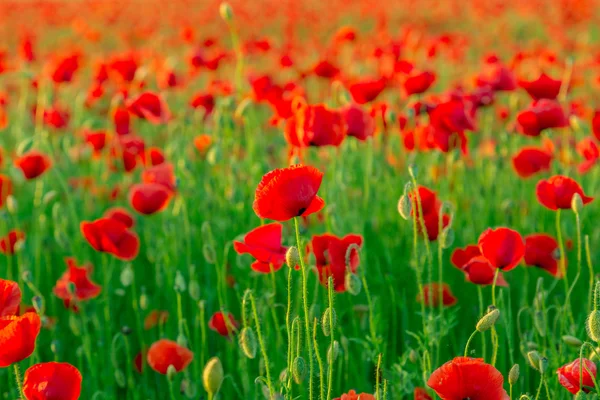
pixel 325 69
pixel 65 68
pixel 333 259
pixel 122 121
pixel 568 375
pixel 167 352
pixel 290 192
pixel 125 67
pixel 541 251
pixel 9 242
pixel 543 87
pixel 431 295
pixel 359 123
pixel 203 100
pixel 131 149
pixel 558 191
pixel 460 257
pixel 156 156
pixel 96 139
pixel 202 143
pixel 588 149
pixel 542 114
pixel 596 125
pixel 151 107
pixel 223 323
pixel 450 120
pixel 497 77
pixel 365 91
pixel 352 395
pixel 264 244
pixel 10 298
pixel 315 125
pixel 149 198
pixel 6 187
pixel 431 207
pixel 162 174
pixel 421 394
pixel 503 247
pixel 467 378
pixel 120 214
pixel 33 164
pixel 418 82
pixel 77 277
pixel 477 268
pixel 17 337
pixel 530 160
pixel 53 117
pixel 52 381
pixel 108 235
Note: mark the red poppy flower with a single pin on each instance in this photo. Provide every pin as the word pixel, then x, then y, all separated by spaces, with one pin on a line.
pixel 431 295
pixel 360 124
pixel 6 188
pixel 131 149
pixel 587 148
pixel 285 193
pixel 151 107
pixel 8 244
pixel 365 91
pixel 203 100
pixel 421 394
pixel 530 160
pixel 497 76
pixel 418 82
pixel 315 125
pixel 122 121
pixel 431 207
pixel 460 257
pixel 568 375
pixel 154 318
pixel 543 87
pixel 108 235
pixel 10 298
pixel 542 114
pixel 149 198
pixel 53 117
pixel 330 254
pixel 223 323
pixel 541 251
pixel 33 164
pixel 52 381
pixel 96 139
pixel 167 352
pixel 17 337
pixel 120 214
pixel 65 69
pixel 596 125
pixel 264 244
pixel 558 191
pixel 78 278
pixel 467 378
pixel 162 174
pixel 352 395
pixel 479 271
pixel 125 67
pixel 202 143
pixel 156 156
pixel 503 247
pixel 325 69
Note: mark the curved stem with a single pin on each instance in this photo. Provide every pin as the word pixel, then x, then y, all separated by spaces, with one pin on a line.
pixel 469 342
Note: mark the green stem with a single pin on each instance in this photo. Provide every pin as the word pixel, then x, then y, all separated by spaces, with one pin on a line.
pixel 469 342
pixel 331 333
pixel 494 286
pixel 261 343
pixel 18 378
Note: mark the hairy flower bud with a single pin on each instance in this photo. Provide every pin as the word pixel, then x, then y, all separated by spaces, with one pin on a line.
pixel 299 369
pixel 513 374
pixel 488 320
pixel 292 257
pixel 212 377
pixel 328 321
pixel 248 342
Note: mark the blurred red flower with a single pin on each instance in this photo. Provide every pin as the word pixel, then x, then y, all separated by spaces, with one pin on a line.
pixel 431 295
pixel 75 284
pixel 149 198
pixel 544 87
pixel 111 236
pixel 541 250
pixel 52 381
pixel 530 160
pixel 10 298
pixel 120 214
pixel 167 352
pixel 264 244
pixel 541 114
pixel 17 337
pixel 9 242
pixel 503 247
pixel 33 164
pixel 557 192
pixel 223 323
pixel 151 107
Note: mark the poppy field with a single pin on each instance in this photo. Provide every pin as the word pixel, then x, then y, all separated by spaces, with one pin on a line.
pixel 282 200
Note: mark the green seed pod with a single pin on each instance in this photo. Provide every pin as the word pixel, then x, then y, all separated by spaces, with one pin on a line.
pixel 513 374
pixel 581 395
pixel 292 257
pixel 127 276
pixel 182 340
pixel 299 369
pixel 576 203
pixel 413 356
pixel 353 284
pixel 49 197
pixel 447 238
pixel 592 356
pixel 593 325
pixel 488 320
pixel 212 376
pixel 11 204
pixel 180 285
pixel 325 321
pixel 209 253
pixel 248 342
pixel 534 359
pixel 194 289
pixel 405 207
pixel 171 372
pixel 144 301
pixel 539 321
pixel 543 365
pixel 572 341
pixel 524 397
pixel 333 352
pixel 120 378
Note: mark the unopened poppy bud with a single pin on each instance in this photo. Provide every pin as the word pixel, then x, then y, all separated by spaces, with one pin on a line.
pixel 26 275
pixel 513 374
pixel 299 369
pixel 212 376
pixel 543 365
pixel 182 340
pixel 189 388
pixel 209 254
pixel 11 204
pixel 127 276
pixel 352 251
pixel 353 284
pixel 524 397
pixel 540 323
pixel 226 12
pixel 49 197
pixel 171 372
pixel 194 289
pixel 144 301
pixel 180 285
pixel 328 321
pixel 534 359
pixel 576 203
pixel 572 341
pixel 413 356
pixel 248 342
pixel 581 395
pixel 593 325
pixel 447 237
pixel 488 320
pixel 333 351
pixel 38 304
pixel 292 257
pixel 120 378
pixel 404 207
